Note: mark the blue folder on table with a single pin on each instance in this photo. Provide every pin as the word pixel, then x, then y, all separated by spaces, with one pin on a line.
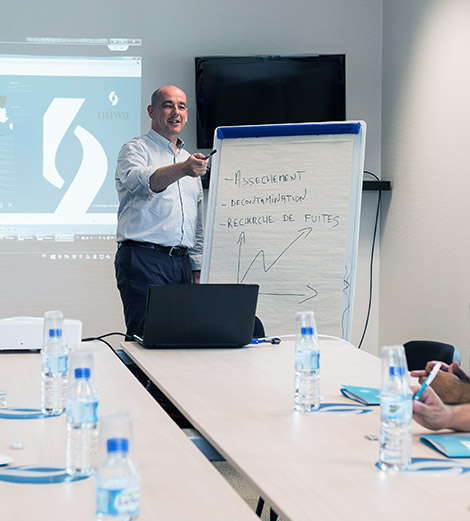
pixel 364 395
pixel 451 445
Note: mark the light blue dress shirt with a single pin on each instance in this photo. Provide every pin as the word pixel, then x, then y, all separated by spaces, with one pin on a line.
pixel 172 217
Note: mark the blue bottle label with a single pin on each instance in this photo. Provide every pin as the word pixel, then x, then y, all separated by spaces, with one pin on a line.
pixel 307 360
pixel 396 408
pixel 82 412
pixel 113 502
pixel 55 364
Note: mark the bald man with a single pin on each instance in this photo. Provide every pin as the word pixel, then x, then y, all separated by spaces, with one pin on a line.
pixel 159 232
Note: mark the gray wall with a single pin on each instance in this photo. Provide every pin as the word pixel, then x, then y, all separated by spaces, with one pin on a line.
pixel 425 252
pixel 172 35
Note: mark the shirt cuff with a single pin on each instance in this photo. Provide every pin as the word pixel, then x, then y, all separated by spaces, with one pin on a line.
pixel 150 191
pixel 196 262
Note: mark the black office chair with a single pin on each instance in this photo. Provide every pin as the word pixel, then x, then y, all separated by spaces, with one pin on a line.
pixel 420 352
pixel 258 329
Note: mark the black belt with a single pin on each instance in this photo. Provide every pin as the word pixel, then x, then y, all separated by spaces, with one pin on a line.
pixel 172 251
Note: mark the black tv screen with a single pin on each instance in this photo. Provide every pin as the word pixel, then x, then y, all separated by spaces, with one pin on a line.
pixel 256 90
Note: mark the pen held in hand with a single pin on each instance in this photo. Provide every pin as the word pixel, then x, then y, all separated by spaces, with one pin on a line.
pixel 210 154
pixel 428 380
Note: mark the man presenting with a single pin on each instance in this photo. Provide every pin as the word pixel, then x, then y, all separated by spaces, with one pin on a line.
pixel 159 231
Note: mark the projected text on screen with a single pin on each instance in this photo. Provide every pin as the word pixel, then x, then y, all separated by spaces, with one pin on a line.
pixel 62 123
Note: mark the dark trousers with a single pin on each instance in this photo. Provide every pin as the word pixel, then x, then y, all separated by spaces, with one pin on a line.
pixel 136 269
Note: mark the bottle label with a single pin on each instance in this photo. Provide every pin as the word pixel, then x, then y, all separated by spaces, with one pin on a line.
pixel 82 412
pixel 113 502
pixel 55 364
pixel 307 360
pixel 396 408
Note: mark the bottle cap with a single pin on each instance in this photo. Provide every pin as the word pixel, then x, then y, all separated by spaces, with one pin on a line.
pixel 393 357
pixel 82 372
pixel 397 370
pixel 118 445
pixel 306 331
pixel 55 332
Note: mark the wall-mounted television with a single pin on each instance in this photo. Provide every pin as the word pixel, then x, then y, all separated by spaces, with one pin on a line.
pixel 256 90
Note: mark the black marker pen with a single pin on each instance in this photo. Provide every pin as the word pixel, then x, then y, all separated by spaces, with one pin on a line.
pixel 211 154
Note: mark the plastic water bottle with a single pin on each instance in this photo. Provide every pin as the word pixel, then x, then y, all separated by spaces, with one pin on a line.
pixel 396 413
pixel 82 425
pixel 54 356
pixel 117 484
pixel 307 364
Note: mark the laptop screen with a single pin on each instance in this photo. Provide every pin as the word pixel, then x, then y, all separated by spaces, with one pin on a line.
pixel 200 315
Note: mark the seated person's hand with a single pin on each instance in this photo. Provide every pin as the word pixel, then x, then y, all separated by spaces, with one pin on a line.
pixel 430 411
pixel 455 368
pixel 451 382
pixel 423 373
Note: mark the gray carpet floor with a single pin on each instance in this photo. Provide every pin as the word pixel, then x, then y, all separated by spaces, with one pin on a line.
pixel 241 486
pixel 238 483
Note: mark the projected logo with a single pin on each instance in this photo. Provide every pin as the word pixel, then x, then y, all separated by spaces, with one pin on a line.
pixel 91 174
pixel 113 98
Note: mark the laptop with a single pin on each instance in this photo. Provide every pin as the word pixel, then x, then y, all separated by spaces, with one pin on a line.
pixel 199 315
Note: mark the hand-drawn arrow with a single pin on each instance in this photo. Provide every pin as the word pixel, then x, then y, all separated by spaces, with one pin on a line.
pixel 315 293
pixel 277 294
pixel 304 232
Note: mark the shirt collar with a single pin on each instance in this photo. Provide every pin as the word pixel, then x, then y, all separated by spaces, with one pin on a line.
pixel 163 142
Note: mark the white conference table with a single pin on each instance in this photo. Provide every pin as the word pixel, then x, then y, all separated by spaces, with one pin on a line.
pixel 309 466
pixel 178 483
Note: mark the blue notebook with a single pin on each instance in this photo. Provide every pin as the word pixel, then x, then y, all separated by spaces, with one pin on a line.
pixel 451 445
pixel 364 395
